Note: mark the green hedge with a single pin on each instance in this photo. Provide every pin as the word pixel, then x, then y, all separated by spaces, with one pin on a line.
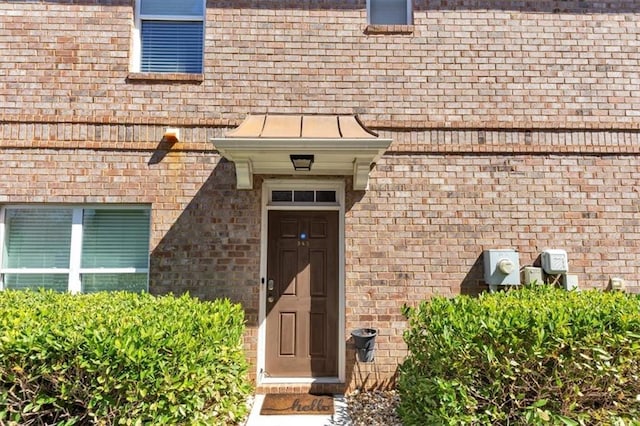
pixel 120 358
pixel 537 355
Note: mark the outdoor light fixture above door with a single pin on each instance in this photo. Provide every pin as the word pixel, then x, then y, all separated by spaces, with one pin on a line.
pixel 301 162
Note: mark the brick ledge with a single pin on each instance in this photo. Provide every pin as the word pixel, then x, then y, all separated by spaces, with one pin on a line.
pixel 395 125
pixel 159 77
pixel 389 29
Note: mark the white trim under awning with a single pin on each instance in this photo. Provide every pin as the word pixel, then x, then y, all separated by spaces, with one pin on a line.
pixel 263 144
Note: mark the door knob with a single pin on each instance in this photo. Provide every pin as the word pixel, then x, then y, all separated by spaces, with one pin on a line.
pixel 271 285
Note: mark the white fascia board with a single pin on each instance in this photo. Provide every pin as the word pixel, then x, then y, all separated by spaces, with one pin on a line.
pixel 271 156
pixel 296 145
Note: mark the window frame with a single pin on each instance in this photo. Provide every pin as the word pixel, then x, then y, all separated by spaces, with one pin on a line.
pixel 409 14
pixel 136 48
pixel 75 270
pixel 294 202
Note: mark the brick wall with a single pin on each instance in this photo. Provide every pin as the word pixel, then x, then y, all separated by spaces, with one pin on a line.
pixel 205 233
pixel 420 230
pixel 570 64
pixel 515 124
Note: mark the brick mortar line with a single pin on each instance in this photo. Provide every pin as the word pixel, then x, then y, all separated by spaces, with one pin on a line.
pixel 497 126
pixel 540 150
pixel 537 153
pixel 115 121
pixel 389 125
pixel 143 147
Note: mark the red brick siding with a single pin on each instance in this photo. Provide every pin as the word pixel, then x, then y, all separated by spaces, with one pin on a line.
pixel 205 234
pixel 466 64
pixel 426 219
pixel 420 230
pixel 512 127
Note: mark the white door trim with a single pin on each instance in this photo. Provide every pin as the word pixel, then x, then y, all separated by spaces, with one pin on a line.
pixel 298 184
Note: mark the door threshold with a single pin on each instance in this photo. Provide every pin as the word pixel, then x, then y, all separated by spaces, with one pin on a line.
pixel 325 387
pixel 300 380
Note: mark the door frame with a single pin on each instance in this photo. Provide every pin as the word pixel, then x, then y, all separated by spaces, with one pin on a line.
pixel 339 206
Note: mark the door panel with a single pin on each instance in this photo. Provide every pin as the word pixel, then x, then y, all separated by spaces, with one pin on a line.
pixel 286 279
pixel 302 308
pixel 318 277
pixel 318 229
pixel 318 340
pixel 287 334
pixel 288 229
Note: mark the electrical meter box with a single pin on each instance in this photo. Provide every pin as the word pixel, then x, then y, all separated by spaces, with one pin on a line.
pixel 555 261
pixel 501 267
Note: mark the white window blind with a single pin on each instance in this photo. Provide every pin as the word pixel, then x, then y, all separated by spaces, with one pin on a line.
pixel 389 12
pixel 115 239
pixel 172 7
pixel 115 250
pixel 36 248
pixel 169 46
pixel 171 35
pixel 38 238
pixel 111 248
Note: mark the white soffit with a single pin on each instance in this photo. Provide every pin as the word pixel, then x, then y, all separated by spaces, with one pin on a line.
pixel 340 144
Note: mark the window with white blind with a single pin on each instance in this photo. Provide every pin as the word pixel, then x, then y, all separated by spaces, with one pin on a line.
pixel 76 249
pixel 170 36
pixel 389 12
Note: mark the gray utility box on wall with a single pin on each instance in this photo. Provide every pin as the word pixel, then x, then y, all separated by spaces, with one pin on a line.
pixel 532 275
pixel 501 267
pixel 555 261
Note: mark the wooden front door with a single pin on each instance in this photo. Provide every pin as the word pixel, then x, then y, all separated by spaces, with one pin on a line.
pixel 302 294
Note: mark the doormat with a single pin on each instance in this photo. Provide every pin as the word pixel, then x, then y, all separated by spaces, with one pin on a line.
pixel 296 403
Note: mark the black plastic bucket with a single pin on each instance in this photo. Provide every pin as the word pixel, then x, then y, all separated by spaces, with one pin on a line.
pixel 364 340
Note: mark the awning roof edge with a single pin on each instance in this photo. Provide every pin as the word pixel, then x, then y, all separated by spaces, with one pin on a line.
pixel 302 126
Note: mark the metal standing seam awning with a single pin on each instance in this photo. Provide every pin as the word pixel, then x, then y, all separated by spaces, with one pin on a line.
pixel 340 144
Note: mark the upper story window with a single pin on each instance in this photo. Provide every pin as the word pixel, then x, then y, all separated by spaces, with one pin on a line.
pixel 389 12
pixel 170 36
